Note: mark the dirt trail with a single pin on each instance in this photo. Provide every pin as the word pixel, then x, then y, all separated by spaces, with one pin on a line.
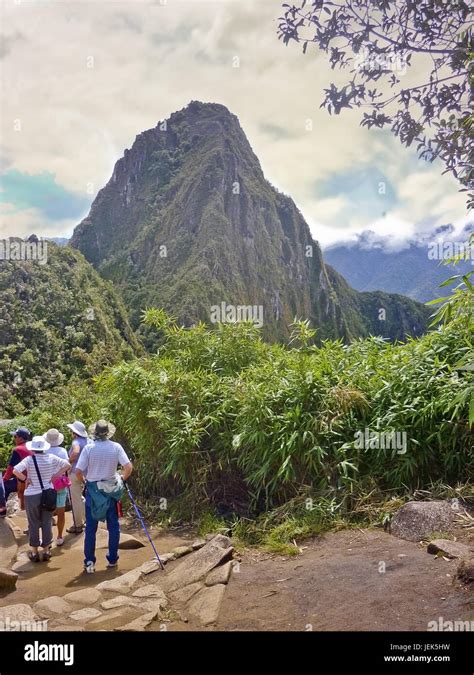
pixel 335 584
pixel 348 580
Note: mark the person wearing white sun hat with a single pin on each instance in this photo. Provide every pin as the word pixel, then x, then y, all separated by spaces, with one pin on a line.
pixel 79 441
pixel 56 439
pixel 42 469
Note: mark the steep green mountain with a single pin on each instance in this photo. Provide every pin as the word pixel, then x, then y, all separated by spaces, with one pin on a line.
pixel 58 320
pixel 188 222
pixel 412 271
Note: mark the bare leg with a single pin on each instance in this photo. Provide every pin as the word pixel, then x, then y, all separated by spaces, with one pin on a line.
pixel 61 518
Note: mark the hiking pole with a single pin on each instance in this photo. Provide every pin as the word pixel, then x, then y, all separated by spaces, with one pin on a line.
pixel 140 518
pixel 72 509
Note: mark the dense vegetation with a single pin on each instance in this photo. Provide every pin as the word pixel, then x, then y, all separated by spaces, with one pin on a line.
pixel 59 320
pixel 266 435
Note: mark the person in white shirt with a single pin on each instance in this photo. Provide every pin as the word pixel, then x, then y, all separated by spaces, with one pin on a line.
pixel 49 467
pixel 99 460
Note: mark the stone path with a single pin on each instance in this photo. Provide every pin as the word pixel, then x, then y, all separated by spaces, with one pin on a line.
pixel 133 601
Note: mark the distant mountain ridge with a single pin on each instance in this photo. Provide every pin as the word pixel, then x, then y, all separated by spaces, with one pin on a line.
pixel 412 271
pixel 188 221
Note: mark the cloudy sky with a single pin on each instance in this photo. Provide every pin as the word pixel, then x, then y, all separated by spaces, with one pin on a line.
pixel 81 79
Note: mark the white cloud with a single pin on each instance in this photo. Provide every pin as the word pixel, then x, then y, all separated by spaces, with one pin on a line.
pixel 150 59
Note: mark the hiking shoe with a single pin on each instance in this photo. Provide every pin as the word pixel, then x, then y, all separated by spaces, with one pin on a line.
pixel 34 557
pixel 74 530
pixel 47 555
pixel 89 567
pixel 59 541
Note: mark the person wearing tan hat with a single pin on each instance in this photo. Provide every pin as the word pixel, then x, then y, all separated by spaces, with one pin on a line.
pixel 55 440
pixel 98 464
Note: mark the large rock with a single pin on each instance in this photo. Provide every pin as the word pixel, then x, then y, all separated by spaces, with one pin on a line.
pixel 86 596
pixel 419 520
pixel 8 579
pixel 52 606
pixel 206 604
pixel 451 549
pixel 199 563
pixel 128 542
pixel 122 584
pixel 19 612
pixel 8 544
pixel 465 570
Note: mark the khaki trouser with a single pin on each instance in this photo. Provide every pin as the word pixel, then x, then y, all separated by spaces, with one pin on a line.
pixel 77 501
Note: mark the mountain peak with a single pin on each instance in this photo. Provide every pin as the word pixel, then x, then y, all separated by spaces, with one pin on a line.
pixel 188 221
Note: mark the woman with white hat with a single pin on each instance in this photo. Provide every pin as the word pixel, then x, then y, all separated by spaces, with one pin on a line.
pixel 79 441
pixel 61 484
pixel 42 469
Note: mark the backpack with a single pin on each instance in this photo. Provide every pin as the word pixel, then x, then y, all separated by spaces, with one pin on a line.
pixel 48 496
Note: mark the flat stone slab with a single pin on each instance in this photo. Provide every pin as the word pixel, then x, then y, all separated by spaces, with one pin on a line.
pixel 451 549
pixel 206 604
pixel 153 565
pixel 219 575
pixel 185 594
pixel 149 591
pixel 141 623
pixel 122 584
pixel 419 520
pixel 105 620
pixel 85 614
pixel 52 606
pixel 20 612
pixel 120 601
pixel 8 579
pixel 86 596
pixel 198 564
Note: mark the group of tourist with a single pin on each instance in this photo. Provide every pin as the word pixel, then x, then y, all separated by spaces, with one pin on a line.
pixel 43 474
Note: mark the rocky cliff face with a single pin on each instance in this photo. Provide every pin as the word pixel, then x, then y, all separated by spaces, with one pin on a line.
pixel 188 222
